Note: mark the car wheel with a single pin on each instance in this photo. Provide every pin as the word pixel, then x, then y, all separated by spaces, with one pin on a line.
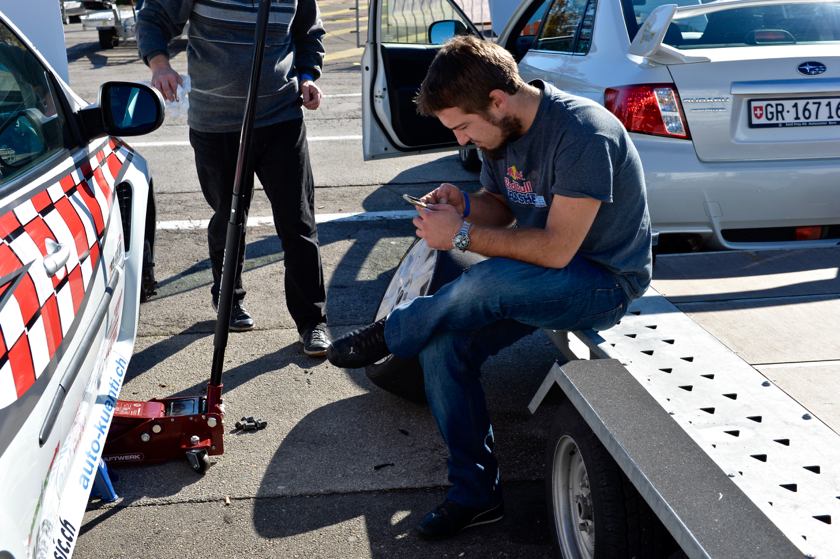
pixel 108 38
pixel 421 271
pixel 594 510
pixel 147 279
pixel 470 159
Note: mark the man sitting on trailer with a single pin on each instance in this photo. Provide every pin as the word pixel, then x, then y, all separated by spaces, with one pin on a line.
pixel 563 170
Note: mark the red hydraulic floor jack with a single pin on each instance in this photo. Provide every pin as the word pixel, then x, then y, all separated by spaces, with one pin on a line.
pixel 167 428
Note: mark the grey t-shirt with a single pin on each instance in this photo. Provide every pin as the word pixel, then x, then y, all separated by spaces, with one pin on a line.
pixel 578 149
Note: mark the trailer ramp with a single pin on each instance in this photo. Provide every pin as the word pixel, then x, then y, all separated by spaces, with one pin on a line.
pixel 781 458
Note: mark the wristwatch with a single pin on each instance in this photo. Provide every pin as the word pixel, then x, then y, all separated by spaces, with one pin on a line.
pixel 461 240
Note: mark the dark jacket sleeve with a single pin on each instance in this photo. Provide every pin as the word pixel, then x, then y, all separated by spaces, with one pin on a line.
pixel 308 38
pixel 158 22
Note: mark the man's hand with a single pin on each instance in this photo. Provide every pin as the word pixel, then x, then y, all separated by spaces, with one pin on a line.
pixel 438 224
pixel 447 194
pixel 311 94
pixel 164 78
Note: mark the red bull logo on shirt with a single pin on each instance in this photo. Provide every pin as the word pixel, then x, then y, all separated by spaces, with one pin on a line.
pixel 514 174
pixel 519 190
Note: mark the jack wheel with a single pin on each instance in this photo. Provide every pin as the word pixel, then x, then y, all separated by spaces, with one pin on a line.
pixel 199 460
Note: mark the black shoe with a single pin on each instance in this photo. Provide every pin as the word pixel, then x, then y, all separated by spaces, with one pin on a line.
pixel 315 342
pixel 450 518
pixel 240 320
pixel 361 347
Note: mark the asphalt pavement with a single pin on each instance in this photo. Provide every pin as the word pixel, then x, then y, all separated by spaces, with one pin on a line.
pixel 343 469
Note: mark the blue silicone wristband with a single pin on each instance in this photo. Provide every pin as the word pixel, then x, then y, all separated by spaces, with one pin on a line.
pixel 304 77
pixel 466 204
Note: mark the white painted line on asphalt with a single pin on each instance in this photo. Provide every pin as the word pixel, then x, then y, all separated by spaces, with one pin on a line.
pixel 345 95
pixel 188 224
pixel 186 142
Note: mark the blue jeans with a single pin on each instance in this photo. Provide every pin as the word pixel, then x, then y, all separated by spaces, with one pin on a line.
pixel 491 306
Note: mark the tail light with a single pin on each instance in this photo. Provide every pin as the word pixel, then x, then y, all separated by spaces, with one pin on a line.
pixel 649 109
pixel 808 233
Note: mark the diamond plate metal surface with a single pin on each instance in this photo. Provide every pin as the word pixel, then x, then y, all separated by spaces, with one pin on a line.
pixel 785 460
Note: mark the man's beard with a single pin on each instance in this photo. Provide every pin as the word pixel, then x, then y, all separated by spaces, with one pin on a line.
pixel 511 130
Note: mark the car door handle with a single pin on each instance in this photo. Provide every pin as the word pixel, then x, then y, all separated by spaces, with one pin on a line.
pixel 57 257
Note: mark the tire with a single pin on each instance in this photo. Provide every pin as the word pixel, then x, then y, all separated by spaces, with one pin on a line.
pixel 108 38
pixel 594 510
pixel 421 271
pixel 147 281
pixel 147 277
pixel 470 159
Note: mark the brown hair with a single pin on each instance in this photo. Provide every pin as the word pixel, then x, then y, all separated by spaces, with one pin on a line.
pixel 463 73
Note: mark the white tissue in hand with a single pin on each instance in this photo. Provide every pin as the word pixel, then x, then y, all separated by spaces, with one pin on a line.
pixel 181 105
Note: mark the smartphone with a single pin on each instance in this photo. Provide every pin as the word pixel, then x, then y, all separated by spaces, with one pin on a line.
pixel 416 201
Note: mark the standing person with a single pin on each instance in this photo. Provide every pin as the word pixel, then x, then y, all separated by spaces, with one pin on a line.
pixel 564 170
pixel 219 53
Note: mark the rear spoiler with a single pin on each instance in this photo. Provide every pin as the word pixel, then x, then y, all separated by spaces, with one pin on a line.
pixel 648 41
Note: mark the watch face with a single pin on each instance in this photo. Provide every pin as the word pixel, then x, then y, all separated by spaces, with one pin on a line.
pixel 461 242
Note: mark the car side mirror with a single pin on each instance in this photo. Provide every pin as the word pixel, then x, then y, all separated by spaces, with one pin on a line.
pixel 442 31
pixel 124 109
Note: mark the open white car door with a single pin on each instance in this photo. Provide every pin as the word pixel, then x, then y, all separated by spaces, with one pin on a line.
pixel 403 38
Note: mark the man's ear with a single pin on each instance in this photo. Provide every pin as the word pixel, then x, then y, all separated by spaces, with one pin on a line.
pixel 498 101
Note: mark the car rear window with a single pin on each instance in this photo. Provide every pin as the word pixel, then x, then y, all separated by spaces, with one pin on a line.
pixel 778 24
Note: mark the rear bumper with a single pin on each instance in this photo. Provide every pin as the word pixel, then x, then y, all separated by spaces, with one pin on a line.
pixel 686 195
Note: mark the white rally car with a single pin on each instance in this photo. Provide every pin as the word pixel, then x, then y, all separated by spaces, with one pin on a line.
pixel 76 214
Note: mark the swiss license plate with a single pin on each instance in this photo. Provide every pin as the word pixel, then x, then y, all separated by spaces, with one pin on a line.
pixel 783 113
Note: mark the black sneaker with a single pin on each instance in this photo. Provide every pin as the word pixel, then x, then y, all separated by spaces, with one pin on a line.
pixel 240 320
pixel 361 347
pixel 450 518
pixel 315 342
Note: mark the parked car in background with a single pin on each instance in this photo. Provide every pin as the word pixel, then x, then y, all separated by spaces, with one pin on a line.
pixel 112 22
pixel 71 10
pixel 76 251
pixel 733 105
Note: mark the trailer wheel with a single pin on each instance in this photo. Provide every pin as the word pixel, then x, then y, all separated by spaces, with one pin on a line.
pixel 470 160
pixel 108 38
pixel 595 512
pixel 421 271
